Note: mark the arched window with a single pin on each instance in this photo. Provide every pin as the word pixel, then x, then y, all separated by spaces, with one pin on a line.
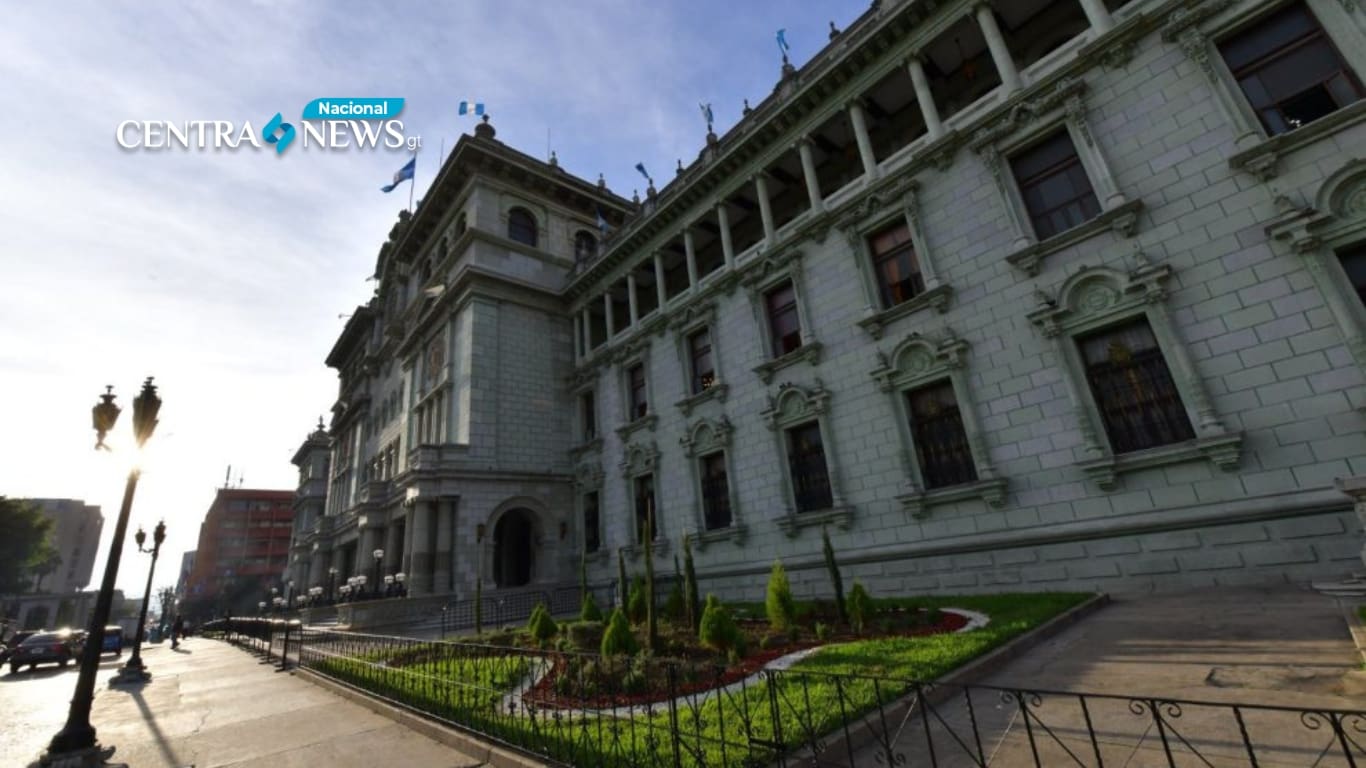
pixel 522 226
pixel 585 246
pixel 426 271
pixel 460 225
pixel 443 250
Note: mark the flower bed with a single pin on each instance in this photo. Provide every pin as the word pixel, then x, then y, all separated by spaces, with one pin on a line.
pixel 581 683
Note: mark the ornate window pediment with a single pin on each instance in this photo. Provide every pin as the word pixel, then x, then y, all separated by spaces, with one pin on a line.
pixel 794 404
pixel 1026 124
pixel 1336 221
pixel 915 363
pixel 1098 298
pixel 639 458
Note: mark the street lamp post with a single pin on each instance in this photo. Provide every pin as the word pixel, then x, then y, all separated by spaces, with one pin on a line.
pixel 75 743
pixel 135 670
pixel 379 555
pixel 400 580
pixel 331 581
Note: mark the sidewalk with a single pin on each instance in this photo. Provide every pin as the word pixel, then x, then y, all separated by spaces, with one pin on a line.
pixel 211 704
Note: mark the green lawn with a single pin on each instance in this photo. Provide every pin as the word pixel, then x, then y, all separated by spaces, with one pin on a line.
pixel 832 687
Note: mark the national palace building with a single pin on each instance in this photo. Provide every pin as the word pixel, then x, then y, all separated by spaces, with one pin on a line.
pixel 1007 295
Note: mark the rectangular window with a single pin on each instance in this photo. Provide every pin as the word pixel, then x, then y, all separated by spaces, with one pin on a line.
pixel 591 542
pixel 806 460
pixel 1054 186
pixel 715 491
pixel 783 322
pixel 941 443
pixel 1354 262
pixel 699 351
pixel 1289 70
pixel 645 506
pixel 1134 390
pixel 640 406
pixel 895 265
pixel 588 416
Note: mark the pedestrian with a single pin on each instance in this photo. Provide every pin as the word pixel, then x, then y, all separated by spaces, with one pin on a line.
pixel 177 630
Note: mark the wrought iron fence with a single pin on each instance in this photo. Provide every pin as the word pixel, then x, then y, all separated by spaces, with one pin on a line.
pixel 587 710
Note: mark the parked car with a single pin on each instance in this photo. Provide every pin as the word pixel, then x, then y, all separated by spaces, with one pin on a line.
pixel 13 641
pixel 113 640
pixel 60 647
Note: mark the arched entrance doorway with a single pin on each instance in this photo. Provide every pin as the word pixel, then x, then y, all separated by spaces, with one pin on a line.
pixel 512 548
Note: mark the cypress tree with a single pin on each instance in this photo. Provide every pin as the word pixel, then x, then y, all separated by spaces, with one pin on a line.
pixel 691 600
pixel 623 586
pixel 835 580
pixel 651 619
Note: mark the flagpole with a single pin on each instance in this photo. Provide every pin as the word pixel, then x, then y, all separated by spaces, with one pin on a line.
pixel 412 183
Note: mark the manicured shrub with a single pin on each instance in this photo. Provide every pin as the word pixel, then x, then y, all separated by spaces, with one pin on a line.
pixel 836 582
pixel 586 635
pixel 542 625
pixel 589 611
pixel 692 603
pixel 860 607
pixel 779 605
pixel 618 640
pixel 638 606
pixel 718 630
pixel 673 604
pixel 822 631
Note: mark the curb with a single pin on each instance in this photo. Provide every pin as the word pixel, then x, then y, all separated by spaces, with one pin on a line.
pixel 487 754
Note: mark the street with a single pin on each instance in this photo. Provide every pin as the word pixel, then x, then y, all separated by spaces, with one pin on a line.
pixel 35 704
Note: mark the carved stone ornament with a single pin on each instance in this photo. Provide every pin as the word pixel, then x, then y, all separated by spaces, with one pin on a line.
pixel 639 458
pixel 706 436
pixel 794 404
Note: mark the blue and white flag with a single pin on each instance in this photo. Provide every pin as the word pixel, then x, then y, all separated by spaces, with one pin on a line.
pixel 402 175
pixel 782 41
pixel 602 222
pixel 641 167
pixel 475 108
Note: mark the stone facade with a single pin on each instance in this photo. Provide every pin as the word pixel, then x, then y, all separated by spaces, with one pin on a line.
pixel 1219 236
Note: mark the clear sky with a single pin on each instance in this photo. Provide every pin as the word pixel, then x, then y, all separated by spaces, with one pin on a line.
pixel 223 274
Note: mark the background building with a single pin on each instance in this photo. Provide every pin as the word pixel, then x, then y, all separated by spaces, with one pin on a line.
pixel 187 560
pixel 76 530
pixel 1045 294
pixel 243 549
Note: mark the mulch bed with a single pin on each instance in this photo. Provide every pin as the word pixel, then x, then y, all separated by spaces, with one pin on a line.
pixel 715 675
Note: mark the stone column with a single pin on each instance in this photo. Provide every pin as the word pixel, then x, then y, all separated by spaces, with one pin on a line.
pixel 727 246
pixel 631 297
pixel 420 577
pixel 607 305
pixel 765 209
pixel 1098 15
pixel 996 42
pixel 578 338
pixel 587 330
pixel 925 98
pixel 393 548
pixel 813 186
pixel 409 526
pixel 441 575
pixel 660 293
pixel 865 144
pixel 317 569
pixel 690 253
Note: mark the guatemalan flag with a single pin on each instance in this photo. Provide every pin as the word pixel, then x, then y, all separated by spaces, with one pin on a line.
pixel 475 108
pixel 403 174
